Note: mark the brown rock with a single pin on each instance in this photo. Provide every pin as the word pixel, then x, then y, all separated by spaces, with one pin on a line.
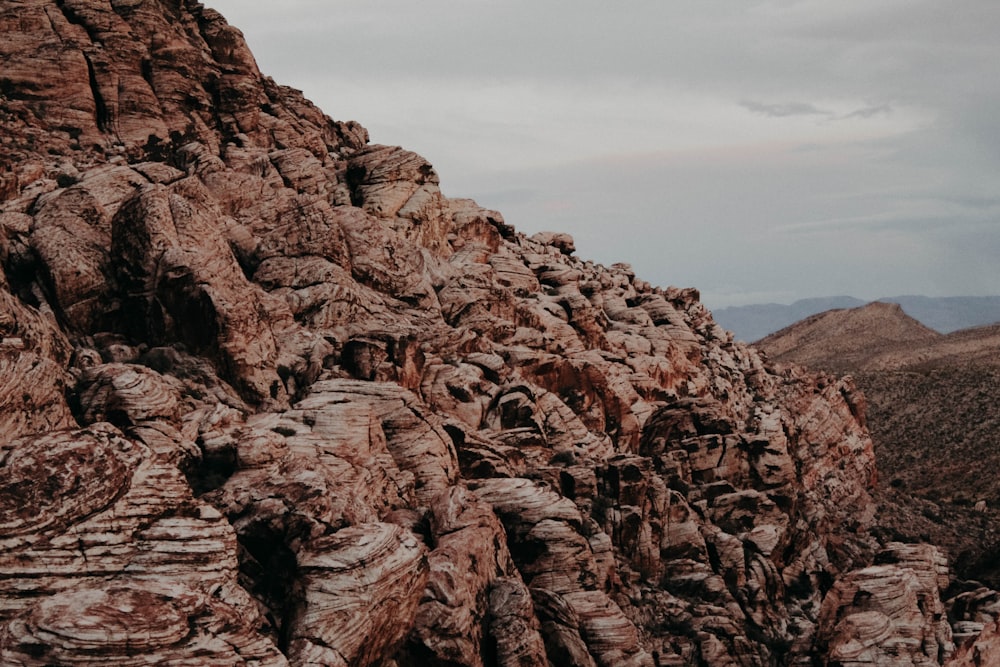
pixel 32 392
pixel 514 626
pixel 408 433
pixel 414 436
pixel 983 650
pixel 89 510
pixel 559 240
pixel 144 623
pixel 361 589
pixel 185 282
pixel 889 614
pixel 127 394
pixel 472 588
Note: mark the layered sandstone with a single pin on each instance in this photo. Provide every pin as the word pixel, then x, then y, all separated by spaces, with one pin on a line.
pixel 269 397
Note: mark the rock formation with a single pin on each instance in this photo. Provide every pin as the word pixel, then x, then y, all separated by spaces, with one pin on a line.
pixel 931 405
pixel 268 397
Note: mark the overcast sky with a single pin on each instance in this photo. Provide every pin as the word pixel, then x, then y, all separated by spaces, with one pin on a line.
pixel 759 151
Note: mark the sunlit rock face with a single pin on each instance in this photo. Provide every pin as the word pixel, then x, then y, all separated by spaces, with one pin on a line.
pixel 268 397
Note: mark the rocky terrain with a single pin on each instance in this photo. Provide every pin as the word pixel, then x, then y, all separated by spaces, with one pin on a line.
pixel 268 397
pixel 932 413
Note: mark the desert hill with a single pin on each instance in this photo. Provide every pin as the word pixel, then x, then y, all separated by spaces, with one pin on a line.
pixel 850 339
pixel 268 397
pixel 932 411
pixel 879 336
pixel 753 322
pixel 942 314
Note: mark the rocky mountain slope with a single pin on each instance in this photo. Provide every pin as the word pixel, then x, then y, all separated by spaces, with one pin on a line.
pixel 268 397
pixel 932 413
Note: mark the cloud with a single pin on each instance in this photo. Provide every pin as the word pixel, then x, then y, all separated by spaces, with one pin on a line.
pixel 973 201
pixel 868 112
pixel 914 221
pixel 784 109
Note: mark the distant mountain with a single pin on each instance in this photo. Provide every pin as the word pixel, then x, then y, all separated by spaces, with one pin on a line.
pixel 846 340
pixel 753 322
pixel 951 313
pixel 943 314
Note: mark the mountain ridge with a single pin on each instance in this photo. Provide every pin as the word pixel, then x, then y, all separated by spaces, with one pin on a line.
pixel 943 314
pixel 878 336
pixel 851 338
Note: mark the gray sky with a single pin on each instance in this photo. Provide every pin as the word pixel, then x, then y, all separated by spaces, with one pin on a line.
pixel 759 151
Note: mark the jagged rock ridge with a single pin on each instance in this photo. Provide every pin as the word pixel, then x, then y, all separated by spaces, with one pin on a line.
pixel 268 397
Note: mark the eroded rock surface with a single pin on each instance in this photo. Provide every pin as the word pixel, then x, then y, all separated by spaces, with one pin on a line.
pixel 268 397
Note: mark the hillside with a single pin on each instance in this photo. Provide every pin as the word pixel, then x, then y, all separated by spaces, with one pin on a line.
pixel 753 322
pixel 869 337
pixel 942 314
pixel 268 397
pixel 932 414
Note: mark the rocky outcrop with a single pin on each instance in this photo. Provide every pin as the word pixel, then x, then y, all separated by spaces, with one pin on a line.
pixel 891 612
pixel 361 590
pixel 134 624
pixel 269 397
pixel 97 525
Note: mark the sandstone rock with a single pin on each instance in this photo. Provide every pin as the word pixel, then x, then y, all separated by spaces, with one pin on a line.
pixel 185 283
pixel 87 511
pixel 514 626
pixel 70 236
pixel 361 589
pixel 559 240
pixel 415 437
pixel 387 262
pixel 32 392
pixel 981 649
pixel 973 611
pixel 473 591
pixel 889 614
pixel 126 395
pixel 306 227
pixel 143 623
pixel 558 563
pixel 365 424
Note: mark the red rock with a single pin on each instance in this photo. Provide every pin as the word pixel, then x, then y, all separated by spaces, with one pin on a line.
pixel 143 623
pixel 361 590
pixel 889 614
pixel 409 434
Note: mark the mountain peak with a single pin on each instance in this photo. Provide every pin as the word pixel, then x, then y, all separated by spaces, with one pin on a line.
pixel 942 314
pixel 845 338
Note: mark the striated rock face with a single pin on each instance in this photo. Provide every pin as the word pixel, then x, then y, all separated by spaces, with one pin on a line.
pixel 107 556
pixel 147 624
pixel 890 613
pixel 268 397
pixel 361 591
